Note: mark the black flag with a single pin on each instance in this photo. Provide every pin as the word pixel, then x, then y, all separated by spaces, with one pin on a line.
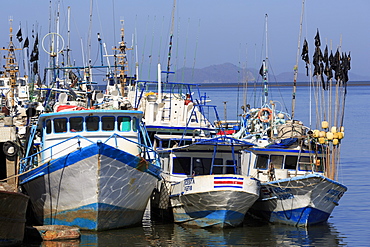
pixel 317 39
pixel 19 35
pixel 304 54
pixel 26 43
pixel 261 70
pixel 35 51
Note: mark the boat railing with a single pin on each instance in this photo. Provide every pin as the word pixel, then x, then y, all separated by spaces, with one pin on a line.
pixel 145 151
pixel 35 159
pixel 53 152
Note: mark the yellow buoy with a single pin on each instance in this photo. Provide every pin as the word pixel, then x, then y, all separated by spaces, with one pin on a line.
pixel 336 135
pixel 342 129
pixel 321 140
pixel 340 135
pixel 322 134
pixel 316 133
pixel 333 129
pixel 329 136
pixel 324 124
pixel 335 141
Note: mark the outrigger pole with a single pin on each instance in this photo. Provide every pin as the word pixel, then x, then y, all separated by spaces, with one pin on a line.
pixel 296 65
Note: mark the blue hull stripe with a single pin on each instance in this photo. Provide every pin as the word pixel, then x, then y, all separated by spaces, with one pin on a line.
pixel 219 218
pixel 297 217
pixel 228 186
pixel 238 178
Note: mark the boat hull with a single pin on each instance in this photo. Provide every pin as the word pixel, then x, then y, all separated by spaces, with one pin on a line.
pixel 94 188
pixel 213 200
pixel 13 208
pixel 299 201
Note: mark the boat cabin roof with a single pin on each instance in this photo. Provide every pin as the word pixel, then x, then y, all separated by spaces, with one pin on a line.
pixel 87 113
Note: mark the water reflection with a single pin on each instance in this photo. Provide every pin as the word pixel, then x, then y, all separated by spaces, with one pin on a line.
pixel 247 235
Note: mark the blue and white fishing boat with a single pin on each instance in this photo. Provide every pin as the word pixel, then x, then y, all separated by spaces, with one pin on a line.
pixel 204 181
pixel 90 168
pixel 296 185
pixel 296 164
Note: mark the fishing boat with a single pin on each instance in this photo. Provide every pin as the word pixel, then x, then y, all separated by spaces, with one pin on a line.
pixel 203 180
pixel 88 160
pixel 90 168
pixel 13 207
pixel 297 164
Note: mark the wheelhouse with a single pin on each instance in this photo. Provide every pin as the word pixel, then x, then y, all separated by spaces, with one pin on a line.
pixel 269 164
pixel 120 129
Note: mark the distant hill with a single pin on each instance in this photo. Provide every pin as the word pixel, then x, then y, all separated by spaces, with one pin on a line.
pixel 230 73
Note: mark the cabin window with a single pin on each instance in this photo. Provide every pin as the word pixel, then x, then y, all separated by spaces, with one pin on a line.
pixel 223 169
pixel 108 123
pixel 124 123
pixel 76 124
pixel 291 162
pixel 181 165
pixel 92 123
pixel 277 161
pixel 21 82
pixel 202 166
pixel 135 124
pixel 230 166
pixel 60 125
pixel 305 164
pixel 2 83
pixel 262 161
pixel 48 126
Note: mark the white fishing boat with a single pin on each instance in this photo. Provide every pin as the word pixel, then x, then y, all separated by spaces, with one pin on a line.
pixel 297 164
pixel 203 180
pixel 90 168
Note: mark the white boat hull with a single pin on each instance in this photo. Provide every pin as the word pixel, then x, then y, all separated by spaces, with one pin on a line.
pixel 94 188
pixel 213 200
pixel 299 201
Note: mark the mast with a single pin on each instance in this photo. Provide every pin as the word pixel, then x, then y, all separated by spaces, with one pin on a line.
pixel 296 65
pixel 171 37
pixel 265 68
pixel 122 60
pixel 11 67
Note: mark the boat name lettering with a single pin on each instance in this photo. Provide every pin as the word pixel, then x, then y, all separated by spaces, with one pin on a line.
pixel 189 181
pixel 189 187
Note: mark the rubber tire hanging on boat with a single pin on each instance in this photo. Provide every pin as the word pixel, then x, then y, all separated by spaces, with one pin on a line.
pixel 10 149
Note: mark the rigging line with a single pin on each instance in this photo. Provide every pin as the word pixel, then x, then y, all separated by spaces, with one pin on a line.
pixel 238 82
pixel 171 37
pixel 160 41
pixel 297 59
pixel 177 48
pixel 195 52
pixel 114 22
pixel 151 48
pixel 279 89
pixel 143 50
pixel 89 33
pixel 186 46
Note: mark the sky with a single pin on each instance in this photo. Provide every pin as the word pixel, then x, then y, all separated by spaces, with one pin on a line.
pixel 205 33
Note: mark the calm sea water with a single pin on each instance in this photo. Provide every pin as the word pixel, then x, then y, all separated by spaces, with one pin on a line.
pixel 349 224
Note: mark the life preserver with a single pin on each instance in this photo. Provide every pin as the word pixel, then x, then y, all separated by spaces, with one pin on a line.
pixel 262 117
